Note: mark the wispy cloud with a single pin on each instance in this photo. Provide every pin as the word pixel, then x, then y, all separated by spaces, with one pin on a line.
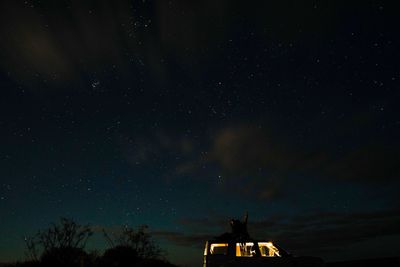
pixel 312 234
pixel 255 163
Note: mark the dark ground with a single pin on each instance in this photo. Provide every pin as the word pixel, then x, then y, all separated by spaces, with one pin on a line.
pixel 386 262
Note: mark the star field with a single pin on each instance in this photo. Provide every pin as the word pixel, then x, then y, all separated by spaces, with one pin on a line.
pixel 182 115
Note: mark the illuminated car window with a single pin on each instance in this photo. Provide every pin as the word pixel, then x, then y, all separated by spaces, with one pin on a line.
pixel 245 249
pixel 219 249
pixel 267 249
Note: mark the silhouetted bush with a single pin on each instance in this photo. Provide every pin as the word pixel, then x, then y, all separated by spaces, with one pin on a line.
pixel 65 256
pixel 63 245
pixel 130 247
pixel 120 256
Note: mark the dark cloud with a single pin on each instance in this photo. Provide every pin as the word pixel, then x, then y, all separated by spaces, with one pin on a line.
pixel 254 162
pixel 78 38
pixel 258 160
pixel 335 231
pixel 244 155
pixel 151 148
pixel 371 163
pixel 262 162
pixel 181 239
pixel 311 234
pixel 245 149
pixel 242 150
pixel 73 40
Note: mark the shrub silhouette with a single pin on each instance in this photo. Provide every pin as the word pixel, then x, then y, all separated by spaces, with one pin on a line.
pixel 65 256
pixel 130 246
pixel 61 244
pixel 119 256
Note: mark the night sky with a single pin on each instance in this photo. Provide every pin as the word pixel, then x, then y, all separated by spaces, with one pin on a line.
pixel 183 114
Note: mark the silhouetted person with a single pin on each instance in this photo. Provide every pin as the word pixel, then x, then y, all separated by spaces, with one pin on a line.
pixel 239 229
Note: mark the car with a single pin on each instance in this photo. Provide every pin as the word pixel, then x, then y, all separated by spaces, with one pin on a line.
pixel 224 253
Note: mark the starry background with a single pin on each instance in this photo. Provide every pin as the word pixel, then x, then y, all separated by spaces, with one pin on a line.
pixel 184 114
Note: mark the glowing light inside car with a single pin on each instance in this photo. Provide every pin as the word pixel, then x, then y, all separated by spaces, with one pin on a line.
pixel 268 249
pixel 245 249
pixel 219 248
